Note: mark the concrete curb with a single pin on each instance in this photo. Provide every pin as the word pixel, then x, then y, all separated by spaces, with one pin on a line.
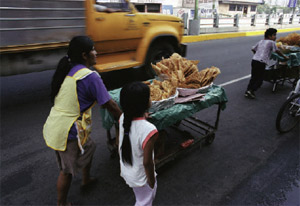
pixel 205 37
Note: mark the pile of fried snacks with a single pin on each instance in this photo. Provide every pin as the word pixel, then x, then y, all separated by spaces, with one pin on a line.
pixel 160 90
pixel 179 72
pixel 292 39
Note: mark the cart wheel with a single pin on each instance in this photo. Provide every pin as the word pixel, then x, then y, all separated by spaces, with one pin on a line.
pixel 210 138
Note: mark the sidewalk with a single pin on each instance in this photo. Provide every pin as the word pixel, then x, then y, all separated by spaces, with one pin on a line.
pixel 205 37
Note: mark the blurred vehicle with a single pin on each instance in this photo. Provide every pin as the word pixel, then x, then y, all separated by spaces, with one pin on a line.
pixel 35 34
pixel 125 38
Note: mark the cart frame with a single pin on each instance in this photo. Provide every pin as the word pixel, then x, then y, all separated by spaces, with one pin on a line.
pixel 183 115
pixel 207 137
pixel 283 70
pixel 280 74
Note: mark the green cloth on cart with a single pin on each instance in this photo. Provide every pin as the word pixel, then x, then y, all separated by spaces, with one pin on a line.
pixel 294 60
pixel 167 117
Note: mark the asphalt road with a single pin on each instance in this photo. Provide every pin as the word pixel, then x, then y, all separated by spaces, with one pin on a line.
pixel 249 163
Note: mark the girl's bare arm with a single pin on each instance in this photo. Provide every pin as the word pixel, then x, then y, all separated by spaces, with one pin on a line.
pixel 148 161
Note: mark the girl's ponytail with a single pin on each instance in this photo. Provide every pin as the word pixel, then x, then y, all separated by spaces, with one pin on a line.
pixel 126 145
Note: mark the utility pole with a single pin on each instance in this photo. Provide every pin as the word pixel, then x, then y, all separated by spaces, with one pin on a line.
pixel 196 9
pixel 194 24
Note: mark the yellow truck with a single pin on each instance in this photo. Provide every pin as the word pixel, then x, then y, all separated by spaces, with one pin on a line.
pixel 35 34
pixel 125 38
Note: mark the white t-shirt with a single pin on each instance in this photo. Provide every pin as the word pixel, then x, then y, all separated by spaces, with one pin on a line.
pixel 263 50
pixel 140 132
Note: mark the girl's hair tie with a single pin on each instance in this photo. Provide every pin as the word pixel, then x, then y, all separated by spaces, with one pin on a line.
pixel 126 133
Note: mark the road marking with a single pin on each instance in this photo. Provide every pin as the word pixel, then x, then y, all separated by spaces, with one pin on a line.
pixel 235 80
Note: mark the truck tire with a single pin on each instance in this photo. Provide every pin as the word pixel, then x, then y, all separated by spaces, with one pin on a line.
pixel 155 54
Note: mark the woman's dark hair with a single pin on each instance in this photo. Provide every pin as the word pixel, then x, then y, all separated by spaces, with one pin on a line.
pixel 134 100
pixel 270 32
pixel 77 46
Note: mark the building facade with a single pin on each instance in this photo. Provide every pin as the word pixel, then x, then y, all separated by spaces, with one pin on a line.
pixel 239 7
pixel 205 7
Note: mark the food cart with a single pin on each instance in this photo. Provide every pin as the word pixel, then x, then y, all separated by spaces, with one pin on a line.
pixel 282 71
pixel 179 116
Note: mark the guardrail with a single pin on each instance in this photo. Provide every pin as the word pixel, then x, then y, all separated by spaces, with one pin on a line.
pixel 217 23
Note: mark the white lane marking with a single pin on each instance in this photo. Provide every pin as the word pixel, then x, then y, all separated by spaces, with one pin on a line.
pixel 235 80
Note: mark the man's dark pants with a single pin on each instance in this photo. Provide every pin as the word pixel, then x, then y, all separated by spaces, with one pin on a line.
pixel 257 75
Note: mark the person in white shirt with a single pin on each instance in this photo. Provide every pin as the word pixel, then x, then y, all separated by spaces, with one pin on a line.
pixel 262 53
pixel 136 148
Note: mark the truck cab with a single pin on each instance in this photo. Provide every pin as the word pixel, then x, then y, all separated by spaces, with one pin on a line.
pixel 125 38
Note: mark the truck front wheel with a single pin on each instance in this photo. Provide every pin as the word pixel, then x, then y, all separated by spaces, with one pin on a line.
pixel 155 54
